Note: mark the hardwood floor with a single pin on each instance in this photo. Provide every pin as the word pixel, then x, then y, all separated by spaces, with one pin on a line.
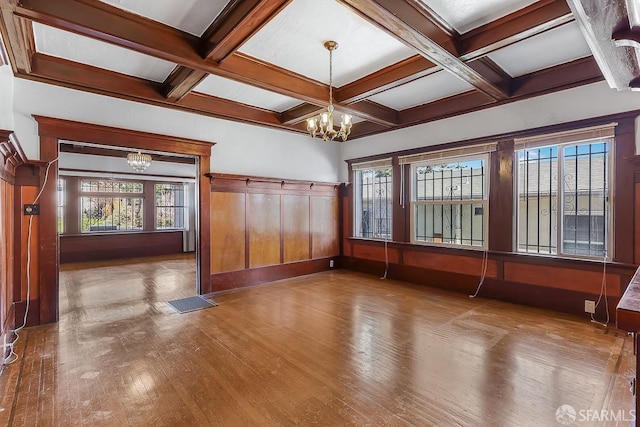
pixel 332 349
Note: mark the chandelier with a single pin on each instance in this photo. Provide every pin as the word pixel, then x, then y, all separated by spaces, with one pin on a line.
pixel 322 125
pixel 138 161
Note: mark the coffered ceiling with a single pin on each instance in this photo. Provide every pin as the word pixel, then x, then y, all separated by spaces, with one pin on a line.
pixel 399 62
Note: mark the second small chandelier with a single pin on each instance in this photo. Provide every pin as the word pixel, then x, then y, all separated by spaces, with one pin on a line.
pixel 322 125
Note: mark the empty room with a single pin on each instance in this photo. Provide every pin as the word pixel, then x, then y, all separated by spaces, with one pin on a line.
pixel 319 212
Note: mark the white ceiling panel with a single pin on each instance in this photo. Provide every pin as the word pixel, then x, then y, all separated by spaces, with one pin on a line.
pixel 192 16
pixel 426 89
pixel 62 44
pixel 465 15
pixel 294 40
pixel 554 47
pixel 246 94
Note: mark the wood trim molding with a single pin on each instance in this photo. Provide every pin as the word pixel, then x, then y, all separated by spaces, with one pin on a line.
pixel 255 184
pixel 99 134
pixel 51 130
pixel 11 155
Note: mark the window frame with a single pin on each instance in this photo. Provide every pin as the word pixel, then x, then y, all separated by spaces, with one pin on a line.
pixel 486 185
pixel 561 190
pixel 376 165
pixel 183 206
pixel 110 195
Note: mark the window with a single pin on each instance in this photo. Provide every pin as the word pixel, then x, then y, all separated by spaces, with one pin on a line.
pixel 170 206
pixel 111 205
pixel 449 202
pixel 563 196
pixel 373 200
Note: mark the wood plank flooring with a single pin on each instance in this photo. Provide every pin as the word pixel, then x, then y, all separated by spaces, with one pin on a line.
pixel 331 349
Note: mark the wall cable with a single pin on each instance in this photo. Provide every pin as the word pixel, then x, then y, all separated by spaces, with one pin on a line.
pixel 12 354
pixel 603 293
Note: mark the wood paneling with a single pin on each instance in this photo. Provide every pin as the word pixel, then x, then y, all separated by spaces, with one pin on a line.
pixel 623 204
pixel 296 228
pixel 228 228
pixel 636 224
pixel 289 222
pixel 324 227
pixel 501 200
pixel 452 263
pixel 376 251
pixel 96 247
pixel 564 278
pixel 264 230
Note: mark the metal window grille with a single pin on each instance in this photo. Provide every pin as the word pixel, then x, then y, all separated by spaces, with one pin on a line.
pixel 103 206
pixel 563 196
pixel 373 203
pixel 170 206
pixel 449 203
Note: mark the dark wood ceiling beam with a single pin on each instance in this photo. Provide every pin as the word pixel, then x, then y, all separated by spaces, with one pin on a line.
pixel 141 35
pixel 530 21
pixel 17 35
pixel 387 78
pixel 181 81
pixel 236 24
pixel 112 25
pixel 598 21
pixel 565 76
pixel 299 113
pixel 66 73
pixel 527 22
pixel 399 18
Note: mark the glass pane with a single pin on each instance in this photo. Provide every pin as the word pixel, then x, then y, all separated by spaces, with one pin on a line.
pixel 585 190
pixel 373 199
pixel 537 200
pixel 450 181
pixel 170 206
pixel 111 213
pixel 451 223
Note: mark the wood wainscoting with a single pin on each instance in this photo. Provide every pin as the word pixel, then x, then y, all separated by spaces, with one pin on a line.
pixel 11 159
pixel 545 282
pixel 265 229
pixel 94 247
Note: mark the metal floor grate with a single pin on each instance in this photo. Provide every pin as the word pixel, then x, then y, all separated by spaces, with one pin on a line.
pixel 185 305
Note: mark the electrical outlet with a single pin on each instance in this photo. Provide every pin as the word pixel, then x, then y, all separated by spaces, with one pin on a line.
pixel 32 209
pixel 589 306
pixel 330 263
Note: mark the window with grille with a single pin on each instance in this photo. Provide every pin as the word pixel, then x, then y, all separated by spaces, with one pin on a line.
pixel 373 190
pixel 563 198
pixel 170 206
pixel 111 205
pixel 449 202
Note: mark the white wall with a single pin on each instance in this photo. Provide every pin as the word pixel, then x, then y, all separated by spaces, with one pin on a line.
pixel 6 97
pixel 239 149
pixel 574 104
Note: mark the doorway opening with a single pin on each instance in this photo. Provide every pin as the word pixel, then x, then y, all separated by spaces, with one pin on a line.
pixel 55 131
pixel 127 237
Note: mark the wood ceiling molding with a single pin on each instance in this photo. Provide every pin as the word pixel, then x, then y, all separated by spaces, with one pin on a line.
pixel 438 47
pixel 242 20
pixel 235 25
pixel 517 26
pixel 399 19
pixel 601 22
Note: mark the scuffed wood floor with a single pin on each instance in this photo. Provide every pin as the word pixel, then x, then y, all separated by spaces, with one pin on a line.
pixel 330 349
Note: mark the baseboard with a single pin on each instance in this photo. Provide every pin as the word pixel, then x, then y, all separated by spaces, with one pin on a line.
pixel 254 276
pixel 33 318
pixel 548 298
